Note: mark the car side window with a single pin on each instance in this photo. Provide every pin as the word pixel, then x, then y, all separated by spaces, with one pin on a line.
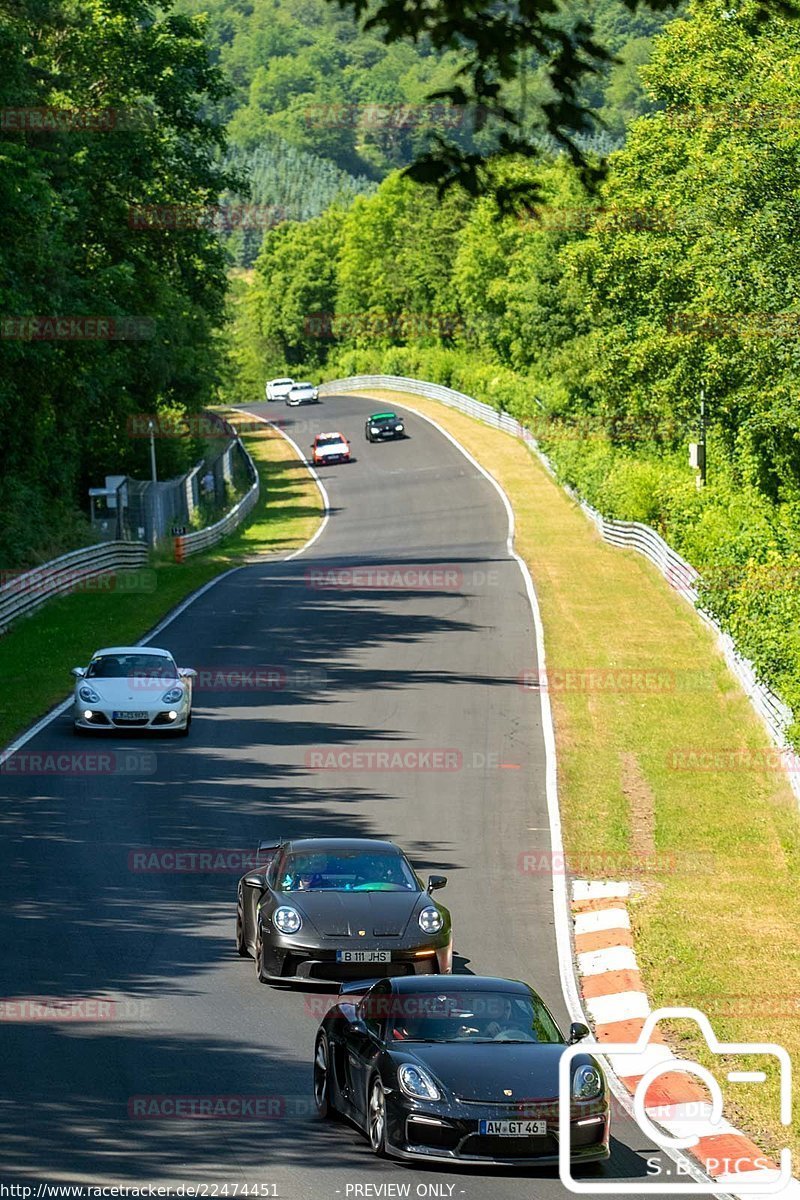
pixel 272 873
pixel 374 1008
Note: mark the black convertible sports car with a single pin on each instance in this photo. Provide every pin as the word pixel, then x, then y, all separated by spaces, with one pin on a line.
pixel 380 427
pixel 338 909
pixel 463 1069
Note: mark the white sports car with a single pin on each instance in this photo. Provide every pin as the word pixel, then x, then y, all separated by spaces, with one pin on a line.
pixel 133 687
pixel 278 389
pixel 302 393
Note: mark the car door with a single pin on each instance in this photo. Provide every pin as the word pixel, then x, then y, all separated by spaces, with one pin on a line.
pixel 363 1042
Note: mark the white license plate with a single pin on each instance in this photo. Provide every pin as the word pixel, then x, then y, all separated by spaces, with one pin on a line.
pixel 513 1128
pixel 130 716
pixel 359 956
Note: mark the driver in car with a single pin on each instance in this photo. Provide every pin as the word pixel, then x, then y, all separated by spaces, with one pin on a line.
pixel 506 1024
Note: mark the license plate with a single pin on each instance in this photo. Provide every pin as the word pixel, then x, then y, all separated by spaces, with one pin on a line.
pixel 513 1128
pixel 359 956
pixel 130 716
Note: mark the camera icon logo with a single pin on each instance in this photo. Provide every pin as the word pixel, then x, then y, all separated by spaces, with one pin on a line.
pixel 676 1132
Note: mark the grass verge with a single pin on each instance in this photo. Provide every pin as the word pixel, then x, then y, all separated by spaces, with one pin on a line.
pixel 666 778
pixel 37 653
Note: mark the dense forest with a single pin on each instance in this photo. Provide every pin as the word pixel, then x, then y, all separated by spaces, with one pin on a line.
pixel 144 149
pixel 320 111
pixel 101 317
pixel 599 319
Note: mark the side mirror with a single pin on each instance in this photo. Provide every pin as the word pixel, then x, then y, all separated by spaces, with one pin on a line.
pixel 257 881
pixel 577 1032
pixel 436 882
pixel 187 673
pixel 78 672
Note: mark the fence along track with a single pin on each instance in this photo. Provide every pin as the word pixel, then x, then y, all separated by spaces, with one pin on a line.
pixel 202 539
pixel 29 590
pixel 630 535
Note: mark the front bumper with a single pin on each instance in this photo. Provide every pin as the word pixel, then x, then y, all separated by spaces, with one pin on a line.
pixel 331 458
pixel 156 719
pixel 450 1133
pixel 286 960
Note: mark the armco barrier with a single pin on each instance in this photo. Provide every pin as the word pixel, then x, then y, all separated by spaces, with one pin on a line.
pixel 201 539
pixel 631 535
pixel 27 591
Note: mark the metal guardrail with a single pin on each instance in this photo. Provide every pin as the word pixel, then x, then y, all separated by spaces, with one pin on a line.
pixel 202 539
pixel 630 535
pixel 26 592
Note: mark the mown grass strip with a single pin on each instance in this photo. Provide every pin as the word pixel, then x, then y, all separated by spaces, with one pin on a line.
pixel 643 703
pixel 36 654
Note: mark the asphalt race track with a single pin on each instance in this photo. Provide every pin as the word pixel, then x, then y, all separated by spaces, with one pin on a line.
pixel 357 669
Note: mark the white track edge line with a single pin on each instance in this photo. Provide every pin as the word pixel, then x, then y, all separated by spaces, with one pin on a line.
pixel 23 738
pixel 326 504
pixel 562 911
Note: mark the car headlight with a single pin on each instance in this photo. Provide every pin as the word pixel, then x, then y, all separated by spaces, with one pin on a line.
pixel 430 920
pixel 287 920
pixel 172 696
pixel 587 1083
pixel 89 694
pixel 399 428
pixel 417 1083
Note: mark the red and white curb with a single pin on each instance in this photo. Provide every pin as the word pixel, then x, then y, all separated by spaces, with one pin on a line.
pixel 617 1005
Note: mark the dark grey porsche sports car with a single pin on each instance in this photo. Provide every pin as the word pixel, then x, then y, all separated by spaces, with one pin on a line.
pixel 339 909
pixel 384 426
pixel 463 1069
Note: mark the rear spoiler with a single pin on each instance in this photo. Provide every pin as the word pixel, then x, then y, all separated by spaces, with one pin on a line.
pixel 269 849
pixel 357 987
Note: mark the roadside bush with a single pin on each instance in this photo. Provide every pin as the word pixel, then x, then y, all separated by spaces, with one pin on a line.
pixel 746 548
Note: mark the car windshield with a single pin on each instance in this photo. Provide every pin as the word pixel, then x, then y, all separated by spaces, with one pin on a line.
pixel 383 419
pixel 303 387
pixel 139 666
pixel 471 1017
pixel 330 441
pixel 347 871
pixel 282 382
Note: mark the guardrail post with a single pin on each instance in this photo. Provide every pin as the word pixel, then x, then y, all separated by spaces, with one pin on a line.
pixel 179 549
